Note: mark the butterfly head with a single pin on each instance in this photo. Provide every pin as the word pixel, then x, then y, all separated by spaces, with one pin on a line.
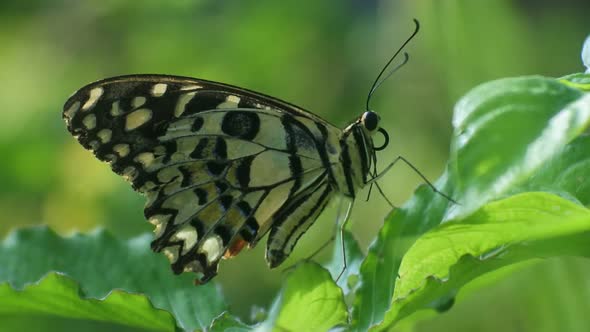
pixel 369 121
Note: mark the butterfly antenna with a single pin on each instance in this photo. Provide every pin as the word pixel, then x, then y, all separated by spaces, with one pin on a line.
pixel 378 80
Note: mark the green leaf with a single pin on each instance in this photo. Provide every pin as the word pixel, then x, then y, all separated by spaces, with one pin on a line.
pixel 101 263
pixel 310 301
pixel 525 226
pixel 507 132
pixel 379 270
pixel 228 323
pixel 60 296
pixel 566 174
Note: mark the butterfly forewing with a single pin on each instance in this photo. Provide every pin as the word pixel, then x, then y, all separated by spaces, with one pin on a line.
pixel 220 165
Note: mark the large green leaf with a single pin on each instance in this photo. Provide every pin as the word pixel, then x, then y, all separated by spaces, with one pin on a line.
pixel 308 301
pixel 506 132
pixel 525 226
pixel 100 263
pixel 60 296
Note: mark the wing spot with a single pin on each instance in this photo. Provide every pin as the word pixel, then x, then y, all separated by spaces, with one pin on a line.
pixel 145 158
pixel 188 234
pixel 201 196
pixel 191 87
pixel 160 221
pixel 121 149
pixel 197 124
pixel 172 253
pixel 250 229
pixel 110 158
pixel 158 90
pixel 94 145
pixel 105 135
pixel 231 101
pixel 226 201
pixel 241 124
pixel 183 100
pixel 89 121
pixel 137 118
pixel 94 95
pixel 212 247
pixel 193 266
pixel 72 110
pixel 138 101
pixel 215 168
pixel 130 173
pixel 116 109
pixel 220 149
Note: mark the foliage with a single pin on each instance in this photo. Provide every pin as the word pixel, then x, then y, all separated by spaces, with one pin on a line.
pixel 519 170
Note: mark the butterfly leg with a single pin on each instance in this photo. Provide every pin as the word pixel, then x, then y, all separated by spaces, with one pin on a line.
pixel 342 227
pixel 398 158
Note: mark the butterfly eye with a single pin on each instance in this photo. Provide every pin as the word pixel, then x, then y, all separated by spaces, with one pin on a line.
pixel 370 120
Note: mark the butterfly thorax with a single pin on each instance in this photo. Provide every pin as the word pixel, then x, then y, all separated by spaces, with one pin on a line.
pixel 354 160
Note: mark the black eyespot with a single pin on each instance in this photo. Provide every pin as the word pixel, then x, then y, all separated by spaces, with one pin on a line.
pixel 370 120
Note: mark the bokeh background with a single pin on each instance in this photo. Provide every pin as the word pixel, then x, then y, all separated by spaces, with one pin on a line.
pixel 321 55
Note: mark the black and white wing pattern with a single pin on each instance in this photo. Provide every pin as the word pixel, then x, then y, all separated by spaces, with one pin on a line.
pixel 220 165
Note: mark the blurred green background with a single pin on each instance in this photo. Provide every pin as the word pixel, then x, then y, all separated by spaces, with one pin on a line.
pixel 321 55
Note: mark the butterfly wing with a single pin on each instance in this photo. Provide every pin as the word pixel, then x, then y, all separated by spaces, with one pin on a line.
pixel 219 164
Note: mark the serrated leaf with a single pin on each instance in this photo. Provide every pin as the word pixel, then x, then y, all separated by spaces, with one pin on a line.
pixel 100 263
pixel 58 295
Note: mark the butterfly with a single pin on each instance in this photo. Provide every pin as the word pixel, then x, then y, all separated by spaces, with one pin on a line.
pixel 221 166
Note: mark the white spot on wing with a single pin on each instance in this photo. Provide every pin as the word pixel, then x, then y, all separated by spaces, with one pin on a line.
pixel 181 103
pixel 191 87
pixel 138 101
pixel 231 101
pixel 212 248
pixel 145 158
pixel 121 149
pixel 70 112
pixel 171 253
pixel 159 89
pixel 89 121
pixel 94 145
pixel 105 135
pixel 129 173
pixel 94 95
pixel 137 118
pixel 189 235
pixel 116 109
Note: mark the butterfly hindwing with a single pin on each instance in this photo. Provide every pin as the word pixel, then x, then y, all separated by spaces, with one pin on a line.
pixel 219 164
